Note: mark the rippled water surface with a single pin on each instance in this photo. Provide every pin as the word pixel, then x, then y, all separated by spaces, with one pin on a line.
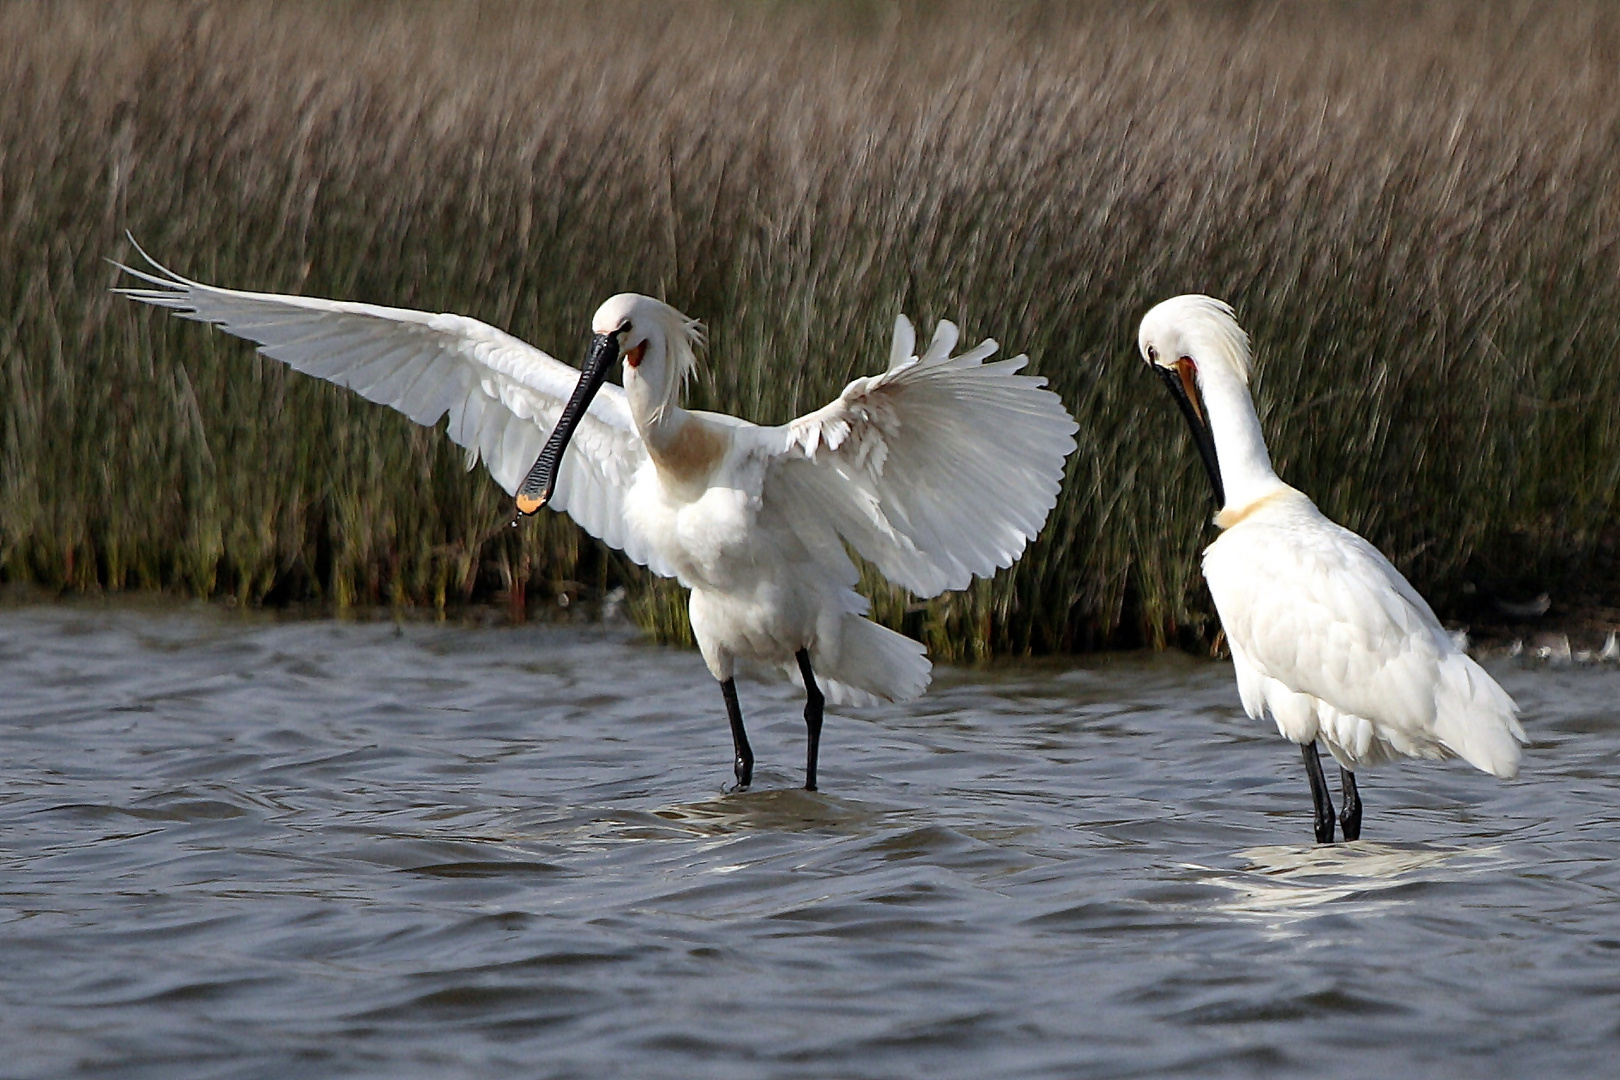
pixel 237 846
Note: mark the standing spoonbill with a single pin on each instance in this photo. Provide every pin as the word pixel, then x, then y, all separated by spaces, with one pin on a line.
pixel 1324 632
pixel 939 469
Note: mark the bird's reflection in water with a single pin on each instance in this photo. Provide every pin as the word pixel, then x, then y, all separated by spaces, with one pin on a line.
pixel 776 811
pixel 1282 883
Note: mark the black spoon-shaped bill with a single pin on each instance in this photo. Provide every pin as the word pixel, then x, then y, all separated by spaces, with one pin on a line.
pixel 541 482
pixel 1182 387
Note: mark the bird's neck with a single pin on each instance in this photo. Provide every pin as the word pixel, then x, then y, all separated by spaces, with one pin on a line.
pixel 686 448
pixel 657 420
pixel 1240 449
pixel 662 426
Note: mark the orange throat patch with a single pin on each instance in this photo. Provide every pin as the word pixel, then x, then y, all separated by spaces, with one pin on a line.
pixel 1232 515
pixel 1189 383
pixel 692 454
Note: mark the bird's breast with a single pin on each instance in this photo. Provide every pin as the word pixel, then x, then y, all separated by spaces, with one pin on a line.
pixel 689 459
pixel 708 536
pixel 1231 516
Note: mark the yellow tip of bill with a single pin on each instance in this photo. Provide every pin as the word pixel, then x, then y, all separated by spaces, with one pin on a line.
pixel 528 504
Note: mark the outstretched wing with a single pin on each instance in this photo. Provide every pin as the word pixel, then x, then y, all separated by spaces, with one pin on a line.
pixel 502 395
pixel 941 468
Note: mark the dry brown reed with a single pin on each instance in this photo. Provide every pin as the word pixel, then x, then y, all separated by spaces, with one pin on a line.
pixel 1413 207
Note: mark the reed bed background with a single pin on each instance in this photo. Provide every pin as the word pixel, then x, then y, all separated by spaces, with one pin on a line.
pixel 1413 207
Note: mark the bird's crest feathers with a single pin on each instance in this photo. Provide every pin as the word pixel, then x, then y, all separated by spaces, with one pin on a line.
pixel 684 337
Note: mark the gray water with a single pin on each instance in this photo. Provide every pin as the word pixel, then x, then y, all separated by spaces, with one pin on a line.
pixel 241 846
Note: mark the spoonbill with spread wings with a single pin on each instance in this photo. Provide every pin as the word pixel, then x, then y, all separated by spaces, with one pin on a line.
pixel 939 469
pixel 1324 632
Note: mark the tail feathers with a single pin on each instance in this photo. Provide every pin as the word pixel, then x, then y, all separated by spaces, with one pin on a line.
pixel 873 664
pixel 1475 719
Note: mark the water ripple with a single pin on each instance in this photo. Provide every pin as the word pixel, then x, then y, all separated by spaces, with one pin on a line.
pixel 244 846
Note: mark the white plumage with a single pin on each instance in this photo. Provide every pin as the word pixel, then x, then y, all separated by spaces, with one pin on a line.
pixel 1325 633
pixel 937 470
pixel 1329 637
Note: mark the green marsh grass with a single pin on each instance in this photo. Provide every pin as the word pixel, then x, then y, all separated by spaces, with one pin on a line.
pixel 1415 209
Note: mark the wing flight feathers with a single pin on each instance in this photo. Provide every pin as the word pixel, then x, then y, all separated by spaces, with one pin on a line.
pixel 938 470
pixel 502 395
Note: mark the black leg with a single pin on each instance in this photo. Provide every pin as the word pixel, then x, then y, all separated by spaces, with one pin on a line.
pixel 1319 794
pixel 813 702
pixel 1350 815
pixel 744 761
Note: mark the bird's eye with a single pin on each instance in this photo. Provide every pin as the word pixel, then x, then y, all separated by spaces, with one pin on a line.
pixel 624 327
pixel 1153 355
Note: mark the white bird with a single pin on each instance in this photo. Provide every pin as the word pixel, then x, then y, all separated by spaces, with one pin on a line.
pixel 939 469
pixel 1324 632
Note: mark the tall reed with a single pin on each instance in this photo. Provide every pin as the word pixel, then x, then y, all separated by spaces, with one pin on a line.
pixel 1414 208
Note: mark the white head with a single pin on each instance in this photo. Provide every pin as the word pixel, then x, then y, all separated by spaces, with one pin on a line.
pixel 658 344
pixel 1198 329
pixel 1187 340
